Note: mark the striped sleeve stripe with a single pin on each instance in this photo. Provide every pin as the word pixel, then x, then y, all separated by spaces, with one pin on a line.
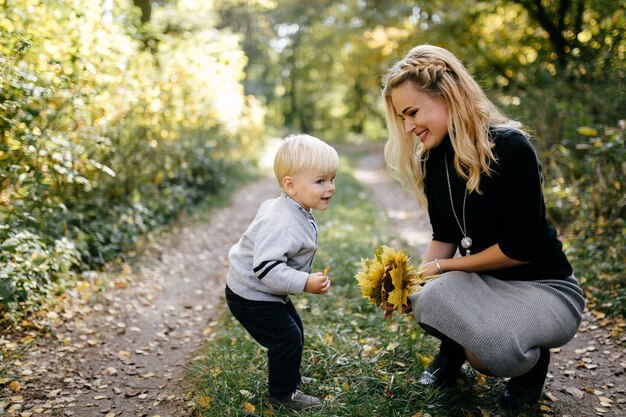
pixel 267 270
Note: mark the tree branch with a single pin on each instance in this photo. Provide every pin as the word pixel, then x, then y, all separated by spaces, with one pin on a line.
pixel 555 30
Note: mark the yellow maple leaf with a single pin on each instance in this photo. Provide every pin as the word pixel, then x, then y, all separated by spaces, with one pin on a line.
pixel 399 295
pixel 370 280
pixel 249 407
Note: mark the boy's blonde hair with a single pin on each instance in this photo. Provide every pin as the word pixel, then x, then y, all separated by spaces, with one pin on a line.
pixel 304 153
pixel 471 115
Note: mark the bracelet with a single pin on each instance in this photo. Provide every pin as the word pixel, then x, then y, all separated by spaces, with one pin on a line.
pixel 438 266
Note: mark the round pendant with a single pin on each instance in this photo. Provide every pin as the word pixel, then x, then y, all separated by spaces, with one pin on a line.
pixel 466 242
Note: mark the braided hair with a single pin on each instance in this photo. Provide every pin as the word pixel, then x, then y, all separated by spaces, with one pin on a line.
pixel 471 115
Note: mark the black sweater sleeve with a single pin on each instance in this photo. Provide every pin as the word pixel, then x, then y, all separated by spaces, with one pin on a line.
pixel 520 198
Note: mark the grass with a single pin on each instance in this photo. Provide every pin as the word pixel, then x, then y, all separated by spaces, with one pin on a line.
pixel 365 366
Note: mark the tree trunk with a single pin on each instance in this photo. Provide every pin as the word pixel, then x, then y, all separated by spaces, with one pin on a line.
pixel 146 9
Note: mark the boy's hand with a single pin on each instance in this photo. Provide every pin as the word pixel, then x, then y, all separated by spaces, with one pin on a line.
pixel 317 283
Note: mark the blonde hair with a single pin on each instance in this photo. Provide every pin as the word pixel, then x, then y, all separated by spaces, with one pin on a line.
pixel 471 115
pixel 304 153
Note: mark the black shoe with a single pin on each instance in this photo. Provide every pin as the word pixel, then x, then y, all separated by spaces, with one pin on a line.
pixel 446 368
pixel 526 389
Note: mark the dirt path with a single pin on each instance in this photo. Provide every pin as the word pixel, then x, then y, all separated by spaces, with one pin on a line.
pixel 125 352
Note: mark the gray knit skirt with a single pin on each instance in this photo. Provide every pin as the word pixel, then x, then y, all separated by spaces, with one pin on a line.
pixel 503 323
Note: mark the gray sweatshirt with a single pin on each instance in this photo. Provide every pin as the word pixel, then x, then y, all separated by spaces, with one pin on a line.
pixel 273 257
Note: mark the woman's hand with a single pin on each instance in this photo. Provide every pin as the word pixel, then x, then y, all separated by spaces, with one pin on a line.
pixel 430 269
pixel 389 309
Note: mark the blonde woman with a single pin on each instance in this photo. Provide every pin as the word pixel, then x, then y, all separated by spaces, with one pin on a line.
pixel 511 295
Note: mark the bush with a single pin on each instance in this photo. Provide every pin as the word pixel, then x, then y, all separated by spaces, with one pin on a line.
pixel 30 267
pixel 102 139
pixel 591 207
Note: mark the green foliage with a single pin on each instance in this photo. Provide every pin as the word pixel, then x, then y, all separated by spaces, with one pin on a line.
pixel 555 66
pixel 104 139
pixel 30 267
pixel 321 71
pixel 586 194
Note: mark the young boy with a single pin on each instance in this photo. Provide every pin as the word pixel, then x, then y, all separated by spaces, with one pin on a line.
pixel 273 260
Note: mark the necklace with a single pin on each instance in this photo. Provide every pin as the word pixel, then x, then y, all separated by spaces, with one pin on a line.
pixel 466 242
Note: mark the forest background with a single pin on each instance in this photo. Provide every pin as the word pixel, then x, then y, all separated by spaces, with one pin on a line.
pixel 118 115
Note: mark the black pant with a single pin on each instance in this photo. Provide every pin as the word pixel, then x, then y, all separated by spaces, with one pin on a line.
pixel 277 327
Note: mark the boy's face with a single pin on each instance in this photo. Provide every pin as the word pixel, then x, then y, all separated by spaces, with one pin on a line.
pixel 312 190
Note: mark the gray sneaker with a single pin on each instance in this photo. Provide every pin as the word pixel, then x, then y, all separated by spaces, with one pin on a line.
pixel 296 401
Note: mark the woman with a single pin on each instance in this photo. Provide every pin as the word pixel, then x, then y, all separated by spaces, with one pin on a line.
pixel 512 294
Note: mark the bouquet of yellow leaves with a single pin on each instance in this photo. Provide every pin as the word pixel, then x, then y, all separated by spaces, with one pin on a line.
pixel 389 278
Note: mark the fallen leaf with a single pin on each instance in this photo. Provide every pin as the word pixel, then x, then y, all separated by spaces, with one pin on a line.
pixel 598 314
pixel 575 392
pixel 82 286
pixel 246 393
pixel 204 401
pixel 424 360
pixel 483 412
pixel 551 396
pixel 249 407
pixel 481 380
pixel 109 371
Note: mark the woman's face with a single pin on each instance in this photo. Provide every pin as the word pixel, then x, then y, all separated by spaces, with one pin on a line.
pixel 424 116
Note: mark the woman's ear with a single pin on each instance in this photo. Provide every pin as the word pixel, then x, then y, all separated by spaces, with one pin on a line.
pixel 289 186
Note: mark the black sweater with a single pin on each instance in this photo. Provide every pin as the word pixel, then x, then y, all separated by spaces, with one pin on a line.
pixel 510 211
